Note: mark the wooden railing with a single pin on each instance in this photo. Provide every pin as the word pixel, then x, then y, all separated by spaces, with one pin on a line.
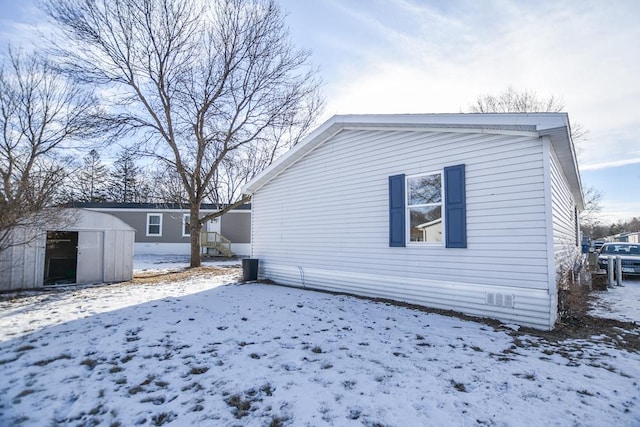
pixel 214 240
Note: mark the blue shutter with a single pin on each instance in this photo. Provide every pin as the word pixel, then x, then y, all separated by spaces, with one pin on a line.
pixel 455 207
pixel 396 211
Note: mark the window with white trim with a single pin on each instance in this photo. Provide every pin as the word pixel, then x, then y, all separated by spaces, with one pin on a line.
pixel 186 225
pixel 424 208
pixel 154 224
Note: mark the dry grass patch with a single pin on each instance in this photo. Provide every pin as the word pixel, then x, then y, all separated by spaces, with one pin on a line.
pixel 170 276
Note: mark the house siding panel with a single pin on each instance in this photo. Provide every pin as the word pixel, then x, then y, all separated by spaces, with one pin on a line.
pixel 236 226
pixel 171 224
pixel 563 217
pixel 323 222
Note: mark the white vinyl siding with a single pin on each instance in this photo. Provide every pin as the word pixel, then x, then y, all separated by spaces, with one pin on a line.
pixel 323 222
pixel 563 216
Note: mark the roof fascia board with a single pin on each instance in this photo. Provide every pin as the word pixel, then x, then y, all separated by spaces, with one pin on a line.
pixel 564 149
pixel 304 147
pixel 451 129
pixel 540 120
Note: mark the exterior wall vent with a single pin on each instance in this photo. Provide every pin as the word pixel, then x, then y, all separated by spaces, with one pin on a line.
pixel 500 300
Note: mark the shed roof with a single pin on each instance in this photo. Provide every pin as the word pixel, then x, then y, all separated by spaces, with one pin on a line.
pixel 84 220
pixel 555 126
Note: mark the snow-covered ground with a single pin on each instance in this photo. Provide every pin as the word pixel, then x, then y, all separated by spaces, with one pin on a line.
pixel 619 302
pixel 209 351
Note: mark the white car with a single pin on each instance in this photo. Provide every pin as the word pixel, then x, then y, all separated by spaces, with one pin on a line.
pixel 629 254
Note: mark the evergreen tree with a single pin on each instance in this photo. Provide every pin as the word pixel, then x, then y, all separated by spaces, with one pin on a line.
pixel 91 180
pixel 125 184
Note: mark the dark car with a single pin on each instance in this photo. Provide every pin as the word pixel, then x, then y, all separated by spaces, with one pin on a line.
pixel 629 254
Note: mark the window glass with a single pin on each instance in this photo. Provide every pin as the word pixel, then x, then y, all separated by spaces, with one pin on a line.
pixel 425 189
pixel 424 207
pixel 153 225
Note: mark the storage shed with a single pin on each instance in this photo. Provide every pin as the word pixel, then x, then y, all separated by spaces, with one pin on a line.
pixel 92 247
pixel 476 213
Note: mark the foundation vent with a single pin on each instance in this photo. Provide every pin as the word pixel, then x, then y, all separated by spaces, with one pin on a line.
pixel 500 300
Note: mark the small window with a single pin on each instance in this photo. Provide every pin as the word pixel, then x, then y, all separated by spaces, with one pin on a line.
pixel 424 208
pixel 154 224
pixel 186 225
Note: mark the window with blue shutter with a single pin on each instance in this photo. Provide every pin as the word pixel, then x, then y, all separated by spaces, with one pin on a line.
pixel 417 208
pixel 455 207
pixel 396 211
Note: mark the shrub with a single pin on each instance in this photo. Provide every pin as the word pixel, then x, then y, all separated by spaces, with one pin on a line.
pixel 574 285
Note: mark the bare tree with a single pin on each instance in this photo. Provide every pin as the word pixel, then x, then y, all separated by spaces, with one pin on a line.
pixel 41 114
pixel 589 217
pixel 512 101
pixel 166 186
pixel 199 81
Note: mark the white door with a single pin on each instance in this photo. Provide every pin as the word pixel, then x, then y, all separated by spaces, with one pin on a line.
pixel 90 257
pixel 214 225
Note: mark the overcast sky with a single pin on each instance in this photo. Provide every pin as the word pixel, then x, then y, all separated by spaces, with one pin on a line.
pixel 411 56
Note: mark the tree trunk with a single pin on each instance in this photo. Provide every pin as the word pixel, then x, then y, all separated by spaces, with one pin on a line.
pixel 195 227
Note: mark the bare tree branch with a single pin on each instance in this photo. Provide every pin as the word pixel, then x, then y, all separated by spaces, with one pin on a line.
pixel 41 114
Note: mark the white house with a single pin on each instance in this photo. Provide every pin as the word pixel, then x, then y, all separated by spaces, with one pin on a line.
pixel 91 247
pixel 469 212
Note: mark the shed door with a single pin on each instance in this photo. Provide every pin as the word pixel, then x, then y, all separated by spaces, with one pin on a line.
pixel 61 257
pixel 90 257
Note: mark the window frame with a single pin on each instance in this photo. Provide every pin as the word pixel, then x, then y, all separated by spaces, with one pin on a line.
pixel 408 207
pixel 148 233
pixel 186 219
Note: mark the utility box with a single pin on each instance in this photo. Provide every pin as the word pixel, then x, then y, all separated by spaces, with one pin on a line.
pixel 249 269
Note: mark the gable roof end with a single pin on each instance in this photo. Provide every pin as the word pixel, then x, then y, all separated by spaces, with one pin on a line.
pixel 555 126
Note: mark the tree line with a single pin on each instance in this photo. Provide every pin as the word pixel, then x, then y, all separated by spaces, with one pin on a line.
pixel 122 182
pixel 125 180
pixel 600 231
